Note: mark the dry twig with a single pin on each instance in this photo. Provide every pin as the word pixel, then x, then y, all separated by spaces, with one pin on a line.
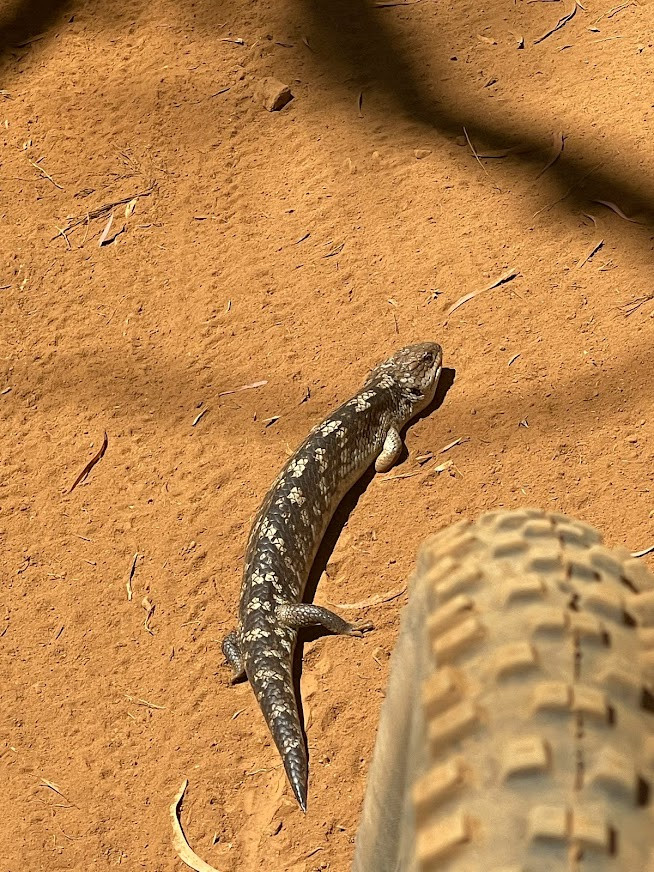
pixel 376 600
pixel 572 187
pixel 102 211
pixel 145 703
pixel 633 305
pixel 47 175
pixel 472 149
pixel 560 23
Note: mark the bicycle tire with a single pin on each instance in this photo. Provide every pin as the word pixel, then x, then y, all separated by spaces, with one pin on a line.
pixel 517 732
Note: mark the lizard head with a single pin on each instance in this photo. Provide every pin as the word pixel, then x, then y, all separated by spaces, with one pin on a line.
pixel 416 370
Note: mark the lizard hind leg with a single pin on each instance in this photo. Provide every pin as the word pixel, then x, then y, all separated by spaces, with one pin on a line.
pixel 297 615
pixel 231 648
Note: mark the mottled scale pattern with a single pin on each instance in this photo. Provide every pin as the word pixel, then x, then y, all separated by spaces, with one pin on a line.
pixel 289 527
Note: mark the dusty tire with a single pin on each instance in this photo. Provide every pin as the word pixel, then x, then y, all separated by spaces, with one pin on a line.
pixel 517 730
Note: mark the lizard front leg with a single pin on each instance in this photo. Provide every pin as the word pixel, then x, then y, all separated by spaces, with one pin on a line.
pixel 391 450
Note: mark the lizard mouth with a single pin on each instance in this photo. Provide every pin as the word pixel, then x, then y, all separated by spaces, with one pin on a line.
pixel 432 392
pixel 437 376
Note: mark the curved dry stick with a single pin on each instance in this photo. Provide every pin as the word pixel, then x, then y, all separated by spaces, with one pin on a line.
pixel 372 601
pixel 181 846
pixel 643 552
pixel 89 466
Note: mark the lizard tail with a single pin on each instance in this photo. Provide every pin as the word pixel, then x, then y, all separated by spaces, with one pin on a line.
pixel 297 772
pixel 273 687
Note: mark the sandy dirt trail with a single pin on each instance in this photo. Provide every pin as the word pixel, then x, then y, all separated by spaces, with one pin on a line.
pixel 296 248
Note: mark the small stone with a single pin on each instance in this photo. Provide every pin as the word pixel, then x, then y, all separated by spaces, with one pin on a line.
pixel 349 166
pixel 422 152
pixel 274 94
pixel 274 828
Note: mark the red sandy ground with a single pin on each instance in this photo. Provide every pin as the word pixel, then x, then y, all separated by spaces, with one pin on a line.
pixel 223 277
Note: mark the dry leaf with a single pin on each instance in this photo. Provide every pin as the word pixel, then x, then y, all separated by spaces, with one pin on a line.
pixel 129 208
pixel 145 703
pixel 559 142
pixel 335 251
pixel 258 384
pixel 107 228
pixel 184 851
pixel 645 550
pixel 590 254
pixel 508 276
pixel 617 210
pixel 130 576
pixel 149 608
pixel 199 416
pixel 89 466
pixel 452 444
pixel 52 786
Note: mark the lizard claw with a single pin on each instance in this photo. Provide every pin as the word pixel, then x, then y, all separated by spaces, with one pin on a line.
pixel 361 627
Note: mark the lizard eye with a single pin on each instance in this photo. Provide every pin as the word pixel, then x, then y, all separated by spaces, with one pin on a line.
pixel 416 393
